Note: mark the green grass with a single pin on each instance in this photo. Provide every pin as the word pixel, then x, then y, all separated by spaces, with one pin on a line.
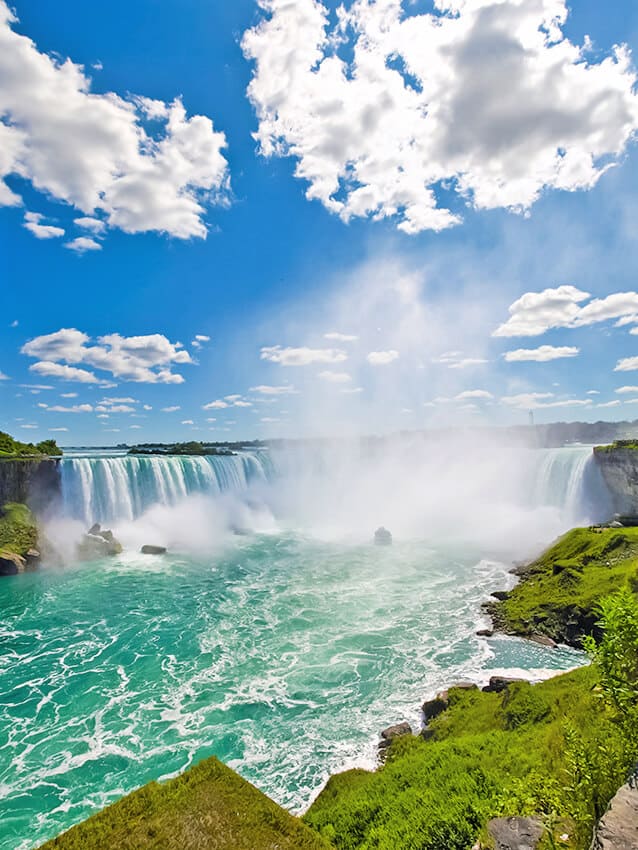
pixel 551 748
pixel 18 530
pixel 209 807
pixel 617 444
pixel 558 593
pixel 11 449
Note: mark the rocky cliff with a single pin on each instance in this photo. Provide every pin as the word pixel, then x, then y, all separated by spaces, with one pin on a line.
pixel 31 481
pixel 619 467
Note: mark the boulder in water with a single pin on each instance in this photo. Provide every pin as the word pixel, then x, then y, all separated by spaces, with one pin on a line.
pixel 149 549
pixel 98 544
pixel 382 537
pixel 11 564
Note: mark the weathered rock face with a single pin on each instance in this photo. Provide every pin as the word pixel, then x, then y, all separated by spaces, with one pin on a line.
pixel 619 468
pixel 35 483
pixel 618 828
pixel 515 833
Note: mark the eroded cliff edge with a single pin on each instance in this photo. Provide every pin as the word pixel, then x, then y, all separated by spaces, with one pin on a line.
pixel 31 481
pixel 618 464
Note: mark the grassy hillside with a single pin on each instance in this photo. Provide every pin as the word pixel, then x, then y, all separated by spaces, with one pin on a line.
pixel 207 808
pixel 558 592
pixel 551 748
pixel 10 448
pixel 18 530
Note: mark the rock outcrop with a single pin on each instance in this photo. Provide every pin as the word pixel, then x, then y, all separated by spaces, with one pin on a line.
pixel 619 468
pixel 382 537
pixel 32 482
pixel 618 828
pixel 98 544
pixel 149 549
pixel 516 833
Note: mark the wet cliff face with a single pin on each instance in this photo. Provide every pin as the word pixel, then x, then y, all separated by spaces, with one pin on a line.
pixel 619 468
pixel 33 482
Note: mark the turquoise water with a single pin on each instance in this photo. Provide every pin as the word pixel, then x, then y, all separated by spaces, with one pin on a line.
pixel 282 654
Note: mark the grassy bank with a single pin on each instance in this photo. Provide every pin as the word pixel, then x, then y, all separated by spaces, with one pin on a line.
pixel 552 749
pixel 558 593
pixel 18 529
pixel 207 808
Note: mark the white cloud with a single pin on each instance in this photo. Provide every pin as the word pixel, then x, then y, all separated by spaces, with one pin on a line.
pixel 536 401
pixel 352 390
pixel 68 395
pixel 302 356
pixel 199 340
pixel 82 244
pixel 216 405
pixel 624 390
pixel 147 407
pixel 593 392
pixel 4 377
pixel 627 364
pixel 33 223
pixel 171 409
pixel 614 403
pixel 76 408
pixel 95 225
pixel 242 403
pixel 266 389
pixel 31 425
pixel 125 400
pixel 140 178
pixel 66 373
pixel 53 430
pixel 335 336
pixel 488 97
pixel 134 427
pixel 382 358
pixel 145 359
pixel 468 394
pixel 269 419
pixel 335 377
pixel 187 422
pixel 115 408
pixel 542 354
pixel 455 360
pixel 534 313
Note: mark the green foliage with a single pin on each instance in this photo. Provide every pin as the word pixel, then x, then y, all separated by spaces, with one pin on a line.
pixel 18 530
pixel 11 448
pixel 491 755
pixel 616 657
pixel 209 806
pixel 617 444
pixel 559 593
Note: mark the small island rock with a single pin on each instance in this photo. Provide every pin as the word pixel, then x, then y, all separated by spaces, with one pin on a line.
pixel 382 537
pixel 149 549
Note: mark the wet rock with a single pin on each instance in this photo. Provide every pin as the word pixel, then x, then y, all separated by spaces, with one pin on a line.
pixel 391 734
pixel 500 595
pixel 543 640
pixel 485 632
pixel 618 827
pixel 433 707
pixel 96 528
pixel 32 558
pixel 515 833
pixel 499 683
pixel 149 549
pixel 382 537
pixel 98 544
pixel 11 564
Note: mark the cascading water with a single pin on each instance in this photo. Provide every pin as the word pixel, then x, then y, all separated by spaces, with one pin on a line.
pixel 111 489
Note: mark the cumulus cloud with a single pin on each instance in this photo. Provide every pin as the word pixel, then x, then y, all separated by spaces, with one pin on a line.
pixel 266 389
pixel 33 223
pixel 82 244
pixel 456 360
pixel 486 97
pixel 542 354
pixel 335 336
pixel 185 422
pixel 627 364
pixel 145 359
pixel 199 340
pixel 469 394
pixel 219 404
pixel 382 358
pixel 624 390
pixel 95 225
pixel 335 377
pixel 141 164
pixel 66 373
pixel 76 408
pixel 302 356
pixel 614 403
pixel 536 401
pixel 534 313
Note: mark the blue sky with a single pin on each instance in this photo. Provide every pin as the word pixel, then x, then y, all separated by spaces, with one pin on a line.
pixel 440 196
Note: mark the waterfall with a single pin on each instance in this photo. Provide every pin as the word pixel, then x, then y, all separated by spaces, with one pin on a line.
pixel 108 489
pixel 412 485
